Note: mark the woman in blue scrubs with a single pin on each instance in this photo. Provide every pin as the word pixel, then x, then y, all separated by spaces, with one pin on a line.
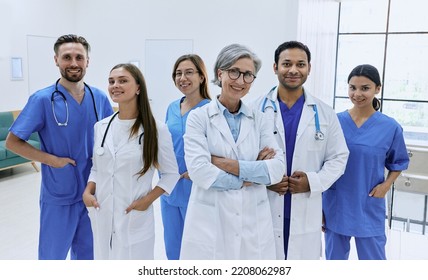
pixel 355 205
pixel 190 77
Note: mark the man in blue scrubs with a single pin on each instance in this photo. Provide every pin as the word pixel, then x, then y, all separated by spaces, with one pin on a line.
pixel 63 114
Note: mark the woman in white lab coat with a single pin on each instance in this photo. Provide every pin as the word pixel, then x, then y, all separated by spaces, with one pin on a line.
pixel 228 215
pixel 129 147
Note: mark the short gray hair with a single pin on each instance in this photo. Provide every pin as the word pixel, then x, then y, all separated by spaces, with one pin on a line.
pixel 229 55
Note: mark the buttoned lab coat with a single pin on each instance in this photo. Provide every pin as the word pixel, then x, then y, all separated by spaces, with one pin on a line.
pixel 323 161
pixel 214 219
pixel 117 187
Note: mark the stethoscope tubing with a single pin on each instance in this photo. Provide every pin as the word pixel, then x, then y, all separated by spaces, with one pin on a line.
pixel 66 104
pixel 319 135
pixel 100 150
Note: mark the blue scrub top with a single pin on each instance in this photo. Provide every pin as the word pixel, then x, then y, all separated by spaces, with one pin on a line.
pixel 63 186
pixel 376 145
pixel 177 127
pixel 290 120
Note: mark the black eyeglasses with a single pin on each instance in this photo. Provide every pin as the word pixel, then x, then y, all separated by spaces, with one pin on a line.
pixel 234 74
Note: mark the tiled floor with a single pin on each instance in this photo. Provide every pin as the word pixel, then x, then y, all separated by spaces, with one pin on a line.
pixel 19 218
pixel 19 215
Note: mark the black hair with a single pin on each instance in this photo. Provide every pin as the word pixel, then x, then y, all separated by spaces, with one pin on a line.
pixel 371 73
pixel 292 45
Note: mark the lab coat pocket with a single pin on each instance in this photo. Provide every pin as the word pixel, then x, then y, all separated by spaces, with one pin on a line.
pixel 141 225
pixel 91 211
pixel 306 213
pixel 264 225
pixel 100 221
pixel 314 212
pixel 64 179
pixel 201 224
pixel 375 210
pixel 316 144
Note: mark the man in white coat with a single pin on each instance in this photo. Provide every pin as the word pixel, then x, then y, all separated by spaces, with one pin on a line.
pixel 315 153
pixel 228 215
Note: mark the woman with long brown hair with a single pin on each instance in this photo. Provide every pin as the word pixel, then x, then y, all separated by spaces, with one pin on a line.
pixel 129 147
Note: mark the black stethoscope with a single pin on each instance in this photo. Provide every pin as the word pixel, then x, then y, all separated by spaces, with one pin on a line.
pixel 66 104
pixel 319 135
pixel 100 150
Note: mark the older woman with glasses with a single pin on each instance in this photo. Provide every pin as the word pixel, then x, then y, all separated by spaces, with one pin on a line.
pixel 231 156
pixel 190 77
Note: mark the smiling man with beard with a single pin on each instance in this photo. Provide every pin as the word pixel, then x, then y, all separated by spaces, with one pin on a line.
pixel 63 115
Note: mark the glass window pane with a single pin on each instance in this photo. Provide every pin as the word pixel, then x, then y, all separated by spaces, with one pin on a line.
pixel 354 50
pixel 402 212
pixel 363 16
pixel 342 104
pixel 412 116
pixel 406 74
pixel 408 16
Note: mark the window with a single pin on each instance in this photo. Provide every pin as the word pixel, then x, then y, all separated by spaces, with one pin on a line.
pixel 392 35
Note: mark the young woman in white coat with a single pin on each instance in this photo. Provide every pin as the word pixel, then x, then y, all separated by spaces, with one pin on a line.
pixel 129 147
pixel 231 156
pixel 309 132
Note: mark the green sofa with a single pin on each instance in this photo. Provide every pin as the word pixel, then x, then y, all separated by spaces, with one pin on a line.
pixel 9 159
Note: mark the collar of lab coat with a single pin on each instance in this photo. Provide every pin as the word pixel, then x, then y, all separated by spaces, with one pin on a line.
pixel 307 114
pixel 218 120
pixel 216 108
pixel 273 96
pixel 109 137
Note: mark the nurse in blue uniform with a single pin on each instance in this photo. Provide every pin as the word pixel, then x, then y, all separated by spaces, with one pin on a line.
pixel 64 115
pixel 190 77
pixel 355 205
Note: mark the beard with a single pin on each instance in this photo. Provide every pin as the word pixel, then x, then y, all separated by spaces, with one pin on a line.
pixel 74 77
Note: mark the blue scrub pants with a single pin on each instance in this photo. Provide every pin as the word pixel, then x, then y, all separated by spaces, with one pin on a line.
pixel 173 225
pixel 287 212
pixel 337 246
pixel 65 228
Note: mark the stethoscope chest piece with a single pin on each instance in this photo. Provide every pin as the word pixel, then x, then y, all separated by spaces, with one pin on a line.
pixel 100 151
pixel 319 135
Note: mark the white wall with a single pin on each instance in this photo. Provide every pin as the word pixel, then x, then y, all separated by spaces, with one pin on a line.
pixel 210 24
pixel 21 18
pixel 117 31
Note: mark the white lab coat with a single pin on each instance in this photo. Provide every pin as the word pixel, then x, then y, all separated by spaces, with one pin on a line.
pixel 231 224
pixel 131 235
pixel 323 161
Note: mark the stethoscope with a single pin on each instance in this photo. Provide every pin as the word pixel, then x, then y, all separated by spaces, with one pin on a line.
pixel 100 150
pixel 319 135
pixel 66 104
